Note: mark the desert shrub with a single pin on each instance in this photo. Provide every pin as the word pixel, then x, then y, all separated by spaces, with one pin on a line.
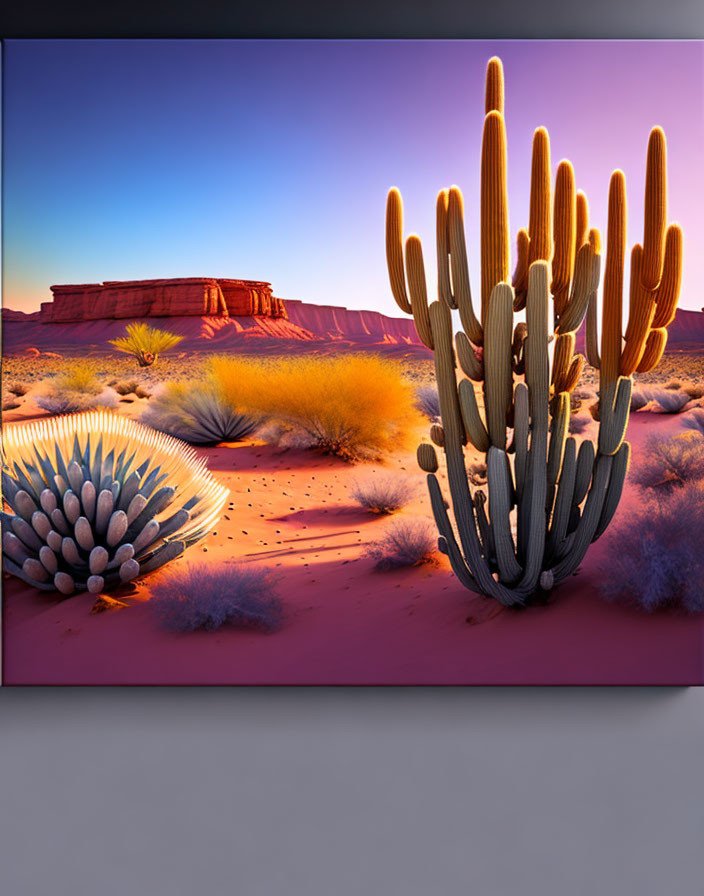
pixel 656 558
pixel 406 543
pixel 130 387
pixel 9 403
pixel 694 390
pixel 199 597
pixel 383 493
pixel 348 405
pixel 428 401
pixel 668 400
pixel 669 462
pixel 694 421
pixel 578 424
pixel 18 388
pixel 145 343
pixel 638 400
pixel 74 389
pixel 195 413
pixel 477 474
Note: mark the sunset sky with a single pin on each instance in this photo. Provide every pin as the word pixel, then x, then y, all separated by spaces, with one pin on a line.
pixel 271 160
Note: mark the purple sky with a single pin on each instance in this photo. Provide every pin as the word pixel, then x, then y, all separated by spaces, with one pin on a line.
pixel 271 159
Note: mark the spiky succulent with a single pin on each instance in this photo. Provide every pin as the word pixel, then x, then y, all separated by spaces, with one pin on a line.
pixel 196 413
pixel 98 499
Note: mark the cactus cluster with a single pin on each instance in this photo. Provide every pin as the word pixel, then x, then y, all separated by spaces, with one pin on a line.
pixel 548 497
pixel 98 499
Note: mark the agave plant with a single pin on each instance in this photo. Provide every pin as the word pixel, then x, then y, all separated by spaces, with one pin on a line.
pixel 196 413
pixel 98 499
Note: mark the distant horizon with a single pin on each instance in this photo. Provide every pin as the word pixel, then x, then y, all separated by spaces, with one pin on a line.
pixel 271 160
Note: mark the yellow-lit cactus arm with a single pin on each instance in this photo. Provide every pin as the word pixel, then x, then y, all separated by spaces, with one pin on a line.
pixel 494 94
pixel 655 217
pixel 668 292
pixel 415 270
pixel 459 267
pixel 495 252
pixel 613 283
pixel 640 316
pixel 539 226
pixel 394 249
pixel 520 274
pixel 592 337
pixel 564 235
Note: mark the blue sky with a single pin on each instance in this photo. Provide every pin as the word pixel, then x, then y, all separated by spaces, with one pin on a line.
pixel 271 160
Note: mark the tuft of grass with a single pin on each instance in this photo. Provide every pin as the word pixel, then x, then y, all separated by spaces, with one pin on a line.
pixel 383 493
pixel 656 559
pixel 694 421
pixel 406 543
pixel 195 413
pixel 145 343
pixel 638 400
pixel 200 597
pixel 428 401
pixel 352 406
pixel 669 462
pixel 72 402
pixel 668 400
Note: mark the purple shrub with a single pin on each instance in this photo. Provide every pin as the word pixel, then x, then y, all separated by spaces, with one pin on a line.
pixel 656 559
pixel 694 421
pixel 383 493
pixel 202 598
pixel 406 543
pixel 669 462
pixel 428 401
pixel 668 400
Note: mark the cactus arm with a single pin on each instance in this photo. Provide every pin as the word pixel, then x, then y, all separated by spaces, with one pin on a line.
pixel 520 433
pixel 584 285
pixel 562 358
pixel 556 450
pixel 500 503
pixel 520 274
pixel 485 531
pixel 586 457
pixel 498 376
pixel 460 267
pixel 532 506
pixel 443 249
pixel 615 488
pixel 470 362
pixel 654 349
pixel 582 224
pixel 592 337
pixel 427 458
pixel 563 499
pixel 564 235
pixel 587 526
pixel 614 417
pixel 494 93
pixel 474 425
pixel 442 521
pixel 613 286
pixel 415 272
pixel 539 226
pixel 641 312
pixel 669 290
pixel 495 258
pixel 394 249
pixel 655 216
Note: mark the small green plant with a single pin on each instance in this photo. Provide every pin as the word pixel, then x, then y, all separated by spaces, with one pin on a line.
pixel 145 343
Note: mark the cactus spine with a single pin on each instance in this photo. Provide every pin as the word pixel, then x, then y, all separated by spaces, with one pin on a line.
pixel 548 497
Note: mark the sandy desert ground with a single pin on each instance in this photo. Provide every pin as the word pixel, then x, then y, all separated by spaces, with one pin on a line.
pixel 345 622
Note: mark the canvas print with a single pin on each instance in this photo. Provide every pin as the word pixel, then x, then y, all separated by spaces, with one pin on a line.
pixel 353 362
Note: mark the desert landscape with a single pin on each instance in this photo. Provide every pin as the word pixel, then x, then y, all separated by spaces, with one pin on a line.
pixel 291 510
pixel 205 483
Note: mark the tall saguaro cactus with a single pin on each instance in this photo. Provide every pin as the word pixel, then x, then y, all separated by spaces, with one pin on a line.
pixel 549 497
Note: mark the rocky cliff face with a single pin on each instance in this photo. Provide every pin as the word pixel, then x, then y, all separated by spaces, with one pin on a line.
pixel 182 297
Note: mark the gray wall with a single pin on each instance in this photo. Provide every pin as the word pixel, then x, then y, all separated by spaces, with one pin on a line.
pixel 560 792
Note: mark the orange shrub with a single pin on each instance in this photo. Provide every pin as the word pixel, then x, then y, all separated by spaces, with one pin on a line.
pixel 349 405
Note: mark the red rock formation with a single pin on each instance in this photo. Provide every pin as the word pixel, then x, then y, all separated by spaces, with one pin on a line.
pixel 335 322
pixel 182 297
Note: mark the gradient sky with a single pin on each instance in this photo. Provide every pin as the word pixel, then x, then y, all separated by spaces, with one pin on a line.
pixel 271 160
